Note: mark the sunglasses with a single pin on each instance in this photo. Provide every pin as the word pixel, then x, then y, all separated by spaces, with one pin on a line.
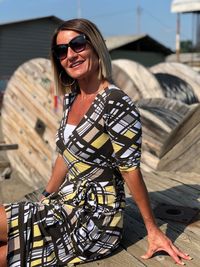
pixel 77 44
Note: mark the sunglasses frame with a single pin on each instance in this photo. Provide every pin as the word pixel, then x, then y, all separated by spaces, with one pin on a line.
pixel 71 45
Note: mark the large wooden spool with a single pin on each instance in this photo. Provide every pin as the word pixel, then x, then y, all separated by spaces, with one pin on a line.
pixel 30 120
pixel 136 80
pixel 178 81
pixel 181 150
pixel 159 116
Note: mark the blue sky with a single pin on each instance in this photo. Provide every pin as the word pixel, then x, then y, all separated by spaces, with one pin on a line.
pixel 113 17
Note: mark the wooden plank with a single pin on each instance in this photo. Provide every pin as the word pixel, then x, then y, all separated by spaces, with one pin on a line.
pixel 159 117
pixel 119 259
pixel 190 179
pixel 8 146
pixel 173 191
pixel 181 150
pixel 182 240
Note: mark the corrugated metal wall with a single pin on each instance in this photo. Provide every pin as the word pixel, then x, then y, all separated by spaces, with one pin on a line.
pixel 22 41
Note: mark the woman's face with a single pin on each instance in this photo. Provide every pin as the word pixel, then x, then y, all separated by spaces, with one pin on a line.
pixel 78 65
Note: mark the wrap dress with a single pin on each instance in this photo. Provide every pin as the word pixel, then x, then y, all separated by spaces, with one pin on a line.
pixel 83 221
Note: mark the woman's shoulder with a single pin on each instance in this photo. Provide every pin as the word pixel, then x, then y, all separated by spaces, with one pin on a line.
pixel 116 94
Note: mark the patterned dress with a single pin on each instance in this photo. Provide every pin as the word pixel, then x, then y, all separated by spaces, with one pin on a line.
pixel 83 221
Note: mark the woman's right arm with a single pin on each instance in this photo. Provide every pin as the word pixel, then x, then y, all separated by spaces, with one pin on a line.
pixel 58 175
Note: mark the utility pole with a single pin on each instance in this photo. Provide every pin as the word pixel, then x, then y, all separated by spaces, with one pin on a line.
pixel 138 18
pixel 79 8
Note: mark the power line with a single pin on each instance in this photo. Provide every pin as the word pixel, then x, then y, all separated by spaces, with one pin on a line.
pixel 158 20
pixel 137 11
pixel 114 13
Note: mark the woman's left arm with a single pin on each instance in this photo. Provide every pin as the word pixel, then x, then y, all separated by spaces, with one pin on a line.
pixel 156 238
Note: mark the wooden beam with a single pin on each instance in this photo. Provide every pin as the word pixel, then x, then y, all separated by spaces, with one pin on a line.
pixel 8 146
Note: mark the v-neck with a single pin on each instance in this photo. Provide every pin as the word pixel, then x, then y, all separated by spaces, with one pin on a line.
pixel 72 97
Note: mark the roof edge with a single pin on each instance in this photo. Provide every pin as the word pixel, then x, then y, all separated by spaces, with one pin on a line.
pixel 185 6
pixel 32 19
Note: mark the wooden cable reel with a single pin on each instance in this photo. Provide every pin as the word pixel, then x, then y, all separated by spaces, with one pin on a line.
pixel 181 149
pixel 30 120
pixel 178 81
pixel 136 80
pixel 159 116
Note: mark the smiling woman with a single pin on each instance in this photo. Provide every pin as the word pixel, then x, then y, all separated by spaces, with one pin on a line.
pixel 80 215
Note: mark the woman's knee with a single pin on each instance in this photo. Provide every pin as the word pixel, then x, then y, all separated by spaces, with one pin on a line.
pixel 3 225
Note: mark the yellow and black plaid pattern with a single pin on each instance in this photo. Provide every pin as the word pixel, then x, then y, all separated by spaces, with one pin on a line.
pixel 84 220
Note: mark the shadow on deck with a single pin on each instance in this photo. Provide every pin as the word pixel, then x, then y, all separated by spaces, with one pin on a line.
pixel 174 189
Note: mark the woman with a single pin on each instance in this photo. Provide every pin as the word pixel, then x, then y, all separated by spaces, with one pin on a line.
pixel 80 217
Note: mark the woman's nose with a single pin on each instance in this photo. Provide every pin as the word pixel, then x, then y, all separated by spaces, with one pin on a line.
pixel 71 53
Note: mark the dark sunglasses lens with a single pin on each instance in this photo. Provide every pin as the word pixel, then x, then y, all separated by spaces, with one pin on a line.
pixel 61 51
pixel 78 44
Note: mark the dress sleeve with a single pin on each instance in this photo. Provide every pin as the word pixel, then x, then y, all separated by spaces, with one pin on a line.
pixel 122 120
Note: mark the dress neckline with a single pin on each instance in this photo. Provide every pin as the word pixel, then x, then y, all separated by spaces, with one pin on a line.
pixel 72 97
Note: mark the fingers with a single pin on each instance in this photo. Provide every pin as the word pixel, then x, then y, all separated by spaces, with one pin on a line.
pixel 148 255
pixel 180 253
pixel 176 254
pixel 175 257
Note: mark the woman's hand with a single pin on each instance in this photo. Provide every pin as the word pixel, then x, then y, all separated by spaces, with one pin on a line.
pixel 158 241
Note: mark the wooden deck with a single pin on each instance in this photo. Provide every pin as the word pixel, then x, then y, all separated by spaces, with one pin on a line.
pixel 174 188
pixel 169 188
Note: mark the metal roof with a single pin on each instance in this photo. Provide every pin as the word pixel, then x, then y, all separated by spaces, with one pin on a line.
pixel 32 19
pixel 185 6
pixel 114 42
pixel 130 42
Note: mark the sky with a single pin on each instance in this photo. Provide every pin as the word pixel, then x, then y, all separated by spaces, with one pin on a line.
pixel 113 17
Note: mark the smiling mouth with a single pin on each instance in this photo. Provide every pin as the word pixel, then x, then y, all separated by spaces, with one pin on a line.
pixel 76 64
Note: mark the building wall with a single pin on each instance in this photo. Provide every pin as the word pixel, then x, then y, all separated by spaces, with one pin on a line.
pixel 23 41
pixel 147 59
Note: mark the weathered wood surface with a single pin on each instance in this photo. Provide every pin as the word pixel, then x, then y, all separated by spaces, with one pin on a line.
pixel 8 146
pixel 164 187
pixel 159 116
pixel 168 188
pixel 178 80
pixel 30 121
pixel 136 80
pixel 181 150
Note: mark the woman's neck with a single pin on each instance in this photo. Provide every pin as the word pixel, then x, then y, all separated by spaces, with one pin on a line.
pixel 90 89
